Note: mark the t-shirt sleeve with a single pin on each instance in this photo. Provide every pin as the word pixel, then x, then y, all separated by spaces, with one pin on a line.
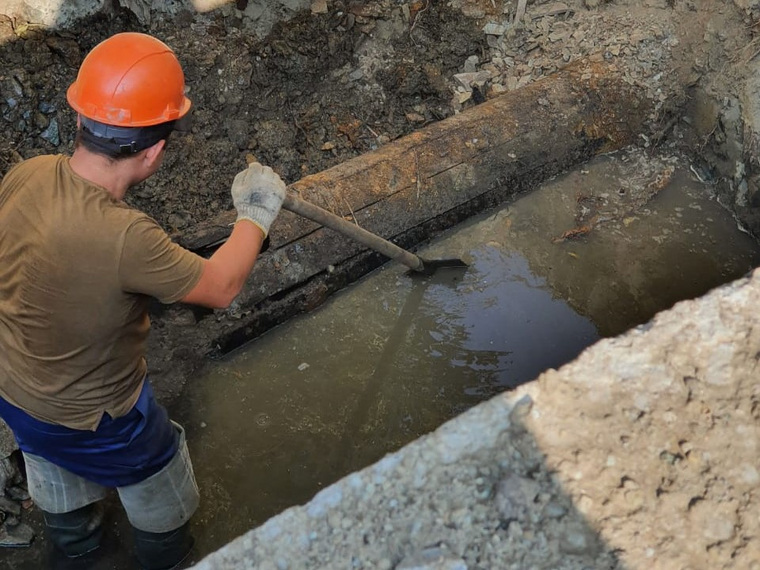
pixel 152 264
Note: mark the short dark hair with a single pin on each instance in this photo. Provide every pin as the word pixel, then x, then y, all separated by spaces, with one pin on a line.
pixel 119 142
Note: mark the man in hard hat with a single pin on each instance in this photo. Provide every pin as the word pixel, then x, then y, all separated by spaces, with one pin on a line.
pixel 77 270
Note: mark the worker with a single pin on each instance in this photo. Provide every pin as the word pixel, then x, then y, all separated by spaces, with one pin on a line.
pixel 78 268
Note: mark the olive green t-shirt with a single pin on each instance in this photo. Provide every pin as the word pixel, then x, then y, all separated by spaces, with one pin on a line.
pixel 77 271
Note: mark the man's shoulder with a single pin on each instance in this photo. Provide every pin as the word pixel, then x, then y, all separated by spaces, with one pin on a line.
pixel 34 165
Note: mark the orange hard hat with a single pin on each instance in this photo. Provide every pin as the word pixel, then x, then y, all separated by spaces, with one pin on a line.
pixel 130 80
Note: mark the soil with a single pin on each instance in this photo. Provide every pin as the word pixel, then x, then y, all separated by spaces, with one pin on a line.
pixel 324 87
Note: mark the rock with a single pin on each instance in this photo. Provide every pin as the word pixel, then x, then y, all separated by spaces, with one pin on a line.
pixel 433 558
pixel 491 29
pixel 9 472
pixel 18 493
pixel 468 80
pixel 52 133
pixel 552 9
pixel 319 6
pixel 497 89
pixel 578 539
pixel 16 536
pixel 462 96
pixel 514 496
pixel 140 8
pixel 8 506
pixel 471 64
pixel 415 118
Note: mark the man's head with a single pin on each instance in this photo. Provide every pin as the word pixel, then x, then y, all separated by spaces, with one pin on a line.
pixel 129 94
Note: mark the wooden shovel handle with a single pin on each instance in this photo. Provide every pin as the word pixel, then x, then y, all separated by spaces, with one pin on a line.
pixel 330 220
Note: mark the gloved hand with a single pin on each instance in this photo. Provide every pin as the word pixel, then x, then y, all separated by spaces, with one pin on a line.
pixel 257 194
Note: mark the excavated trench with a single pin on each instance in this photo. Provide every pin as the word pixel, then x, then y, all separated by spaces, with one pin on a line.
pixel 572 234
pixel 587 254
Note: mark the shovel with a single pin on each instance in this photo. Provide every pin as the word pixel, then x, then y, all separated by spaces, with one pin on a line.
pixel 373 241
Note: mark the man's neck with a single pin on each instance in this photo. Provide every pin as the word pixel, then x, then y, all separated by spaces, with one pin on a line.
pixel 114 176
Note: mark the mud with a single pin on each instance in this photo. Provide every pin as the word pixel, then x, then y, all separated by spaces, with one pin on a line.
pixel 325 87
pixel 300 99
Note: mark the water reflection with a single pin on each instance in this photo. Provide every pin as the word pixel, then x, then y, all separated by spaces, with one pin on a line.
pixel 382 363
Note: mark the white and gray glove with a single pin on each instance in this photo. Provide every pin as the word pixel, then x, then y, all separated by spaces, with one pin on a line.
pixel 257 194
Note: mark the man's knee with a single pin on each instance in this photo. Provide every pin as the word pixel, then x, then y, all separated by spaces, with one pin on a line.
pixel 166 500
pixel 159 510
pixel 57 490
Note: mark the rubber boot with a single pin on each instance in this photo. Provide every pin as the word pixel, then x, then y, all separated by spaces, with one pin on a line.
pixel 163 550
pixel 76 533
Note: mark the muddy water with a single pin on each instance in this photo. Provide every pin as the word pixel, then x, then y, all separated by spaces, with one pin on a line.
pixel 590 254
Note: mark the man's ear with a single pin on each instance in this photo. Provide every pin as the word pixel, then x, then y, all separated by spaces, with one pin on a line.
pixel 153 152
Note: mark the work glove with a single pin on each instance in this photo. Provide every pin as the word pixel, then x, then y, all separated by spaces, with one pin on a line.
pixel 257 194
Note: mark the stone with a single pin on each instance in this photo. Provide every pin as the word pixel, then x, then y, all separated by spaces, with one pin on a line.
pixel 463 96
pixel 17 493
pixel 491 29
pixel 7 441
pixel 471 64
pixel 415 118
pixel 497 89
pixel 140 8
pixel 433 558
pixel 514 495
pixel 468 80
pixel 16 536
pixel 9 506
pixel 52 133
pixel 319 6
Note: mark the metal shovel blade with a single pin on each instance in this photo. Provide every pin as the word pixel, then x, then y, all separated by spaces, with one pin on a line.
pixel 430 266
